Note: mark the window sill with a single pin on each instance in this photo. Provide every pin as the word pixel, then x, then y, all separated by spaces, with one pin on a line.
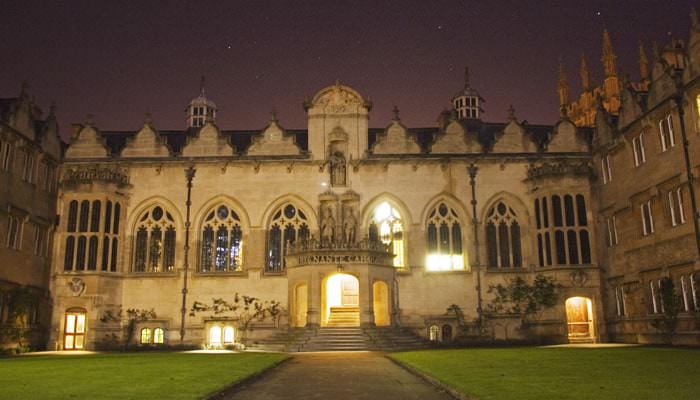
pixel 200 274
pixel 169 274
pixel 512 270
pixel 448 272
pixel 274 273
pixel 88 272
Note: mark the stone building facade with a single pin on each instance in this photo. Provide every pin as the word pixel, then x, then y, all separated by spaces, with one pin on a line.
pixel 394 224
pixel 347 225
pixel 646 156
pixel 30 154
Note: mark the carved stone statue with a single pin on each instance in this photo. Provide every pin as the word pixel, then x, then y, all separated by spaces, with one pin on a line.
pixel 338 169
pixel 349 226
pixel 327 226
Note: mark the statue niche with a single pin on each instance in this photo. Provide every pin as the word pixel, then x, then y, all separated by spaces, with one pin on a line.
pixel 327 226
pixel 349 225
pixel 338 169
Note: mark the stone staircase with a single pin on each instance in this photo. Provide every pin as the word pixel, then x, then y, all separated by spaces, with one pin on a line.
pixel 334 338
pixel 281 340
pixel 396 339
pixel 344 317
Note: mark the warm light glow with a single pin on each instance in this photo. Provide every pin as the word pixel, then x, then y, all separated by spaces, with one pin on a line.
pixel 382 212
pixel 342 290
pixel 145 336
pixel 579 317
pixel 444 262
pixel 158 336
pixel 228 335
pixel 390 230
pixel 74 333
pixel 215 335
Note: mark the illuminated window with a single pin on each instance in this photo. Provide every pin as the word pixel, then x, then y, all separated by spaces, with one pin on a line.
pixel 503 237
pixel 145 336
pixel 444 240
pixel 154 247
pixel 215 335
pixel 386 225
pixel 222 241
pixel 288 223
pixel 158 336
pixel 74 331
pixel 228 335
pixel 434 333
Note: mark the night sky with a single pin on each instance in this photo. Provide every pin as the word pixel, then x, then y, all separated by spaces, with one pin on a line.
pixel 118 60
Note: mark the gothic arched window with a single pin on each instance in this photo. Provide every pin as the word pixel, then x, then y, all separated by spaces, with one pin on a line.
pixel 154 243
pixel 503 237
pixel 444 240
pixel 222 241
pixel 386 225
pixel 288 223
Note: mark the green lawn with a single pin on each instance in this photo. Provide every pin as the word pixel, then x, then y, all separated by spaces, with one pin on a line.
pixel 564 373
pixel 150 376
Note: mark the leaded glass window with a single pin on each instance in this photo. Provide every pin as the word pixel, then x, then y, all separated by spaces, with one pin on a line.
pixel 571 246
pixel 288 223
pixel 154 243
pixel 503 241
pixel 387 225
pixel 222 241
pixel 444 240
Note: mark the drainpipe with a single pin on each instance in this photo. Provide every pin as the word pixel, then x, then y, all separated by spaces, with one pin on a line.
pixel 189 173
pixel 678 98
pixel 475 222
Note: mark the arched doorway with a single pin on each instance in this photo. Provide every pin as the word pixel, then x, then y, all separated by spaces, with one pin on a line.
pixel 301 305
pixel 380 294
pixel 342 294
pixel 74 329
pixel 579 319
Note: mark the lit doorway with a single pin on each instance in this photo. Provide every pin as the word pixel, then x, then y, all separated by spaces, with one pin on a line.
pixel 74 331
pixel 380 294
pixel 342 301
pixel 579 319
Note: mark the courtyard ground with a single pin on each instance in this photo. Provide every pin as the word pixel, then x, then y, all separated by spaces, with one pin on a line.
pixel 527 373
pixel 127 375
pixel 357 375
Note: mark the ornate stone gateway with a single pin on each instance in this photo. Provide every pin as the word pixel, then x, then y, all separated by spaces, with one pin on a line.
pixel 338 274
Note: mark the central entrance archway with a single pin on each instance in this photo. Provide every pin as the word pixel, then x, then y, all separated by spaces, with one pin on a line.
pixel 342 294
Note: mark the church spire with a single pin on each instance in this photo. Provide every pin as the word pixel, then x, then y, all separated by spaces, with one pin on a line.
pixel 563 86
pixel 609 56
pixel 643 62
pixel 466 77
pixel 585 75
pixel 201 86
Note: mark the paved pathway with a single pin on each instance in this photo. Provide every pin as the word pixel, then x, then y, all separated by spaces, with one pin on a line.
pixel 338 376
